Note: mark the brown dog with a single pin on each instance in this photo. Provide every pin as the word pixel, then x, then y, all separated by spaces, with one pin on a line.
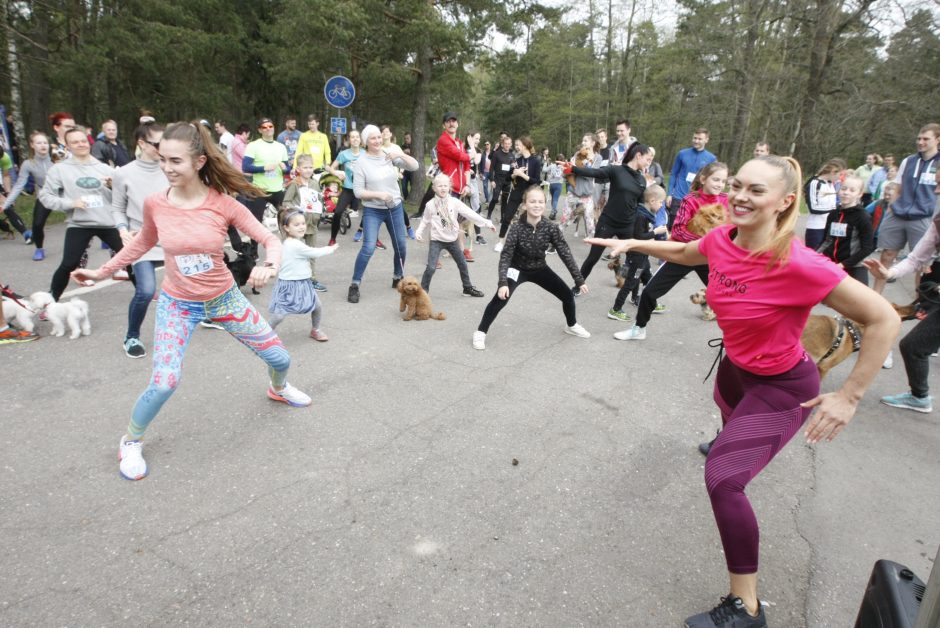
pixel 707 218
pixel 616 265
pixel 698 298
pixel 415 302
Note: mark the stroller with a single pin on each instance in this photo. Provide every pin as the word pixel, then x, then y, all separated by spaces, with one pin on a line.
pixel 324 179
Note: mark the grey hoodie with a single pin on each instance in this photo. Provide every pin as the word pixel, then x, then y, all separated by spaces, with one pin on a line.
pixel 69 180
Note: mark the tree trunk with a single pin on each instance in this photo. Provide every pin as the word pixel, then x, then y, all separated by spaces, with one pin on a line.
pixel 420 119
pixel 16 94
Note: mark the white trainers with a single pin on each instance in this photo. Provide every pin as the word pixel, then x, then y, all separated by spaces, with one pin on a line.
pixel 634 333
pixel 498 248
pixel 889 361
pixel 479 340
pixel 130 455
pixel 577 330
pixel 290 395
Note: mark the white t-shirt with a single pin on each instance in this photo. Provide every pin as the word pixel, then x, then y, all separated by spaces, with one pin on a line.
pixel 225 142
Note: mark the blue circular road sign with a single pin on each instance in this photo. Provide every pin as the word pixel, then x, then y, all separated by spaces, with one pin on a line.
pixel 339 92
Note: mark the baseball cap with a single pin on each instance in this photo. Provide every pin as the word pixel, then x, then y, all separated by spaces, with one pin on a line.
pixel 450 115
pixel 265 121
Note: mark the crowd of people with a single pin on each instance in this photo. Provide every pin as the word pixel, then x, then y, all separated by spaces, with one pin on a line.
pixel 177 194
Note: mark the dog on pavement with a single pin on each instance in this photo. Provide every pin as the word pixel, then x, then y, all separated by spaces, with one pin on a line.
pixel 74 314
pixel 617 266
pixel 698 298
pixel 415 302
pixel 19 314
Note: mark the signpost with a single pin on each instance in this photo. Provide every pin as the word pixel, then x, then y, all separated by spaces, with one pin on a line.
pixel 339 92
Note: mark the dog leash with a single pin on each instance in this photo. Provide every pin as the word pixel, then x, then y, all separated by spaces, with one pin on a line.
pixel 12 296
pixel 720 343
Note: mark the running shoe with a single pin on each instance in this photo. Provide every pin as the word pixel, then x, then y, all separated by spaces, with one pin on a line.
pixel 332 242
pixel 134 348
pixel 210 325
pixel 479 340
pixel 395 281
pixel 28 236
pixel 618 315
pixel 575 291
pixel 634 333
pixel 577 330
pixel 706 447
pixel 659 309
pixel 319 287
pixel 355 214
pixel 472 292
pixel 908 401
pixel 131 456
pixel 411 233
pixel 498 248
pixel 468 256
pixel 730 613
pixel 357 237
pixel 11 336
pixel 889 360
pixel 353 295
pixel 290 395
pixel 39 255
pixel 379 245
pixel 481 240
pixel 318 335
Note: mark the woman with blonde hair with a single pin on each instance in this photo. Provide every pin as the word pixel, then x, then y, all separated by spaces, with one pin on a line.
pixel 763 285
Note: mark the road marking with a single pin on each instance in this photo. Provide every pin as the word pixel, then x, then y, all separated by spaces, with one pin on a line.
pixel 98 286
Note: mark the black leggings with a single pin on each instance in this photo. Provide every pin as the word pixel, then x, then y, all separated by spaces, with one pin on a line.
pixel 76 241
pixel 916 348
pixel 15 220
pixel 668 275
pixel 346 199
pixel 604 230
pixel 637 271
pixel 500 193
pixel 508 210
pixel 40 215
pixel 256 206
pixel 542 277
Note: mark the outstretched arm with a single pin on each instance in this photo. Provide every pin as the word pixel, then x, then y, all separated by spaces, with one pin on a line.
pixel 685 253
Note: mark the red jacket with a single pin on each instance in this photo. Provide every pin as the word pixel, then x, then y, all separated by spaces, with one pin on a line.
pixel 453 161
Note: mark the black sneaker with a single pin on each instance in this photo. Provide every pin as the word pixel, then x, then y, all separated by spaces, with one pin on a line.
pixel 576 291
pixel 729 614
pixel 704 448
pixel 481 240
pixel 133 348
pixel 353 296
pixel 472 292
pixel 395 281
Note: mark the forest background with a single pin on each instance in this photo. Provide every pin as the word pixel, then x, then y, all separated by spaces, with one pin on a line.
pixel 815 78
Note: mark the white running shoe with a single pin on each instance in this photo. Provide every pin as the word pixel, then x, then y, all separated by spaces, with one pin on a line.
pixel 479 340
pixel 889 361
pixel 577 330
pixel 498 248
pixel 634 333
pixel 130 455
pixel 290 395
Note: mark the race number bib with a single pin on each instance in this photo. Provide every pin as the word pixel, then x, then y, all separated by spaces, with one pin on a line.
pixel 196 264
pixel 513 273
pixel 838 229
pixel 690 177
pixel 310 201
pixel 504 167
pixel 92 201
pixel 928 177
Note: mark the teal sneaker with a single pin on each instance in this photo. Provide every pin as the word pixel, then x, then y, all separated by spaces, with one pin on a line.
pixel 907 401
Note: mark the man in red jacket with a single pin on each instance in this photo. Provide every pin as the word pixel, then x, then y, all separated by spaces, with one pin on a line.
pixel 454 161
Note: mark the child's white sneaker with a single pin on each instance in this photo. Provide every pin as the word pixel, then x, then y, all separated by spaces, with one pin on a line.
pixel 479 340
pixel 577 330
pixel 130 455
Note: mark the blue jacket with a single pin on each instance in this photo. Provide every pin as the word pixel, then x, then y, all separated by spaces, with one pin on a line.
pixel 918 180
pixel 688 162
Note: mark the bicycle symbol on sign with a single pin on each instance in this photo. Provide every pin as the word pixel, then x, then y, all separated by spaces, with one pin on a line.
pixel 339 91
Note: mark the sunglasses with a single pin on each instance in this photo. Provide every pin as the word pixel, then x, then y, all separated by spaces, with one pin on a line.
pixel 266 126
pixel 154 144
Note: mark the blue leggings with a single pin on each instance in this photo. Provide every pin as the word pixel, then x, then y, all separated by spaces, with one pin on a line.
pixel 760 414
pixel 174 326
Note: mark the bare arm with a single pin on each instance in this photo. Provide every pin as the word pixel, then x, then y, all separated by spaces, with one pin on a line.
pixel 856 301
pixel 685 253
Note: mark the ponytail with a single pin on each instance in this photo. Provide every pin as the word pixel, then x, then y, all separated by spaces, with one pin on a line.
pixel 217 172
pixel 782 238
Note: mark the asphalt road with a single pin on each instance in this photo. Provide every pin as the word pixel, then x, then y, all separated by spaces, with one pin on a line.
pixel 395 501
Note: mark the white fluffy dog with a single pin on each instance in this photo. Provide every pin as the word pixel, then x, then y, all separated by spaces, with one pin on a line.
pixel 75 313
pixel 21 316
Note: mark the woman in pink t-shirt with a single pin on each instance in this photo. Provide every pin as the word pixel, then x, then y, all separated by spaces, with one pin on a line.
pixel 190 220
pixel 762 285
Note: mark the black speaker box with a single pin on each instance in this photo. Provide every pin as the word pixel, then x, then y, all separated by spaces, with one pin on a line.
pixel 892 598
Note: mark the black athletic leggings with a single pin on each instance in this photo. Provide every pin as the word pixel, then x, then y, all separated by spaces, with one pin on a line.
pixel 40 215
pixel 668 275
pixel 76 241
pixel 603 230
pixel 542 277
pixel 346 199
pixel 508 210
pixel 637 271
pixel 500 193
pixel 15 220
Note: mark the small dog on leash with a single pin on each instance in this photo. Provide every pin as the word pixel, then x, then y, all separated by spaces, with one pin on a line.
pixel 698 298
pixel 617 266
pixel 415 302
pixel 74 314
pixel 19 314
pixel 241 267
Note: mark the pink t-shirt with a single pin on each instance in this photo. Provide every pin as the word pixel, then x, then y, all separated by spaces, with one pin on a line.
pixel 762 314
pixel 192 241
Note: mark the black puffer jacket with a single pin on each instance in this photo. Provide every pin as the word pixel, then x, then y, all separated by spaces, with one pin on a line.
pixel 525 246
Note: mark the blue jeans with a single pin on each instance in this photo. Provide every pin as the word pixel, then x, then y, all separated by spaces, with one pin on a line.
pixel 555 190
pixel 372 219
pixel 486 186
pixel 146 277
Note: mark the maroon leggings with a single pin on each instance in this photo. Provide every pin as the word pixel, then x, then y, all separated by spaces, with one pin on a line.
pixel 760 415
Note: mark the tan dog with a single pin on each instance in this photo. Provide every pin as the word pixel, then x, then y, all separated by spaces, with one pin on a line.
pixel 616 265
pixel 415 302
pixel 698 298
pixel 707 218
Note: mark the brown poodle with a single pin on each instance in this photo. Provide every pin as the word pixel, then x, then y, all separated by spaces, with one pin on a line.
pixel 707 218
pixel 415 302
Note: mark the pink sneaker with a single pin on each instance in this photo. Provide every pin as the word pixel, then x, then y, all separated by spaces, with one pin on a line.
pixel 318 335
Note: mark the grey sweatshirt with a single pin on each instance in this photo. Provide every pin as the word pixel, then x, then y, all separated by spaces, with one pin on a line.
pixel 133 183
pixel 37 168
pixel 377 174
pixel 69 180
